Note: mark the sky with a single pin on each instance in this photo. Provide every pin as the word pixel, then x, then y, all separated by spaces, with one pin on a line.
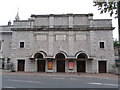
pixel 9 9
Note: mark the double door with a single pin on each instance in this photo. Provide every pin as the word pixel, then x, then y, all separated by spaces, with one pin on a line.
pixel 102 67
pixel 41 65
pixel 60 65
pixel 81 66
pixel 21 65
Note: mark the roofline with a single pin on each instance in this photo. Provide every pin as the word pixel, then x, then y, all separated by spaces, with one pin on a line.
pixel 102 19
pixel 63 29
pixel 69 14
pixel 23 20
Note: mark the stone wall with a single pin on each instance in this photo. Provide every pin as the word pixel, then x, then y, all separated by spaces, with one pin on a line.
pixel 73 42
pixel 67 33
pixel 62 21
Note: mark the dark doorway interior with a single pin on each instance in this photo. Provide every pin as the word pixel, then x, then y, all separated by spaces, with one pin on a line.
pixel 102 67
pixel 41 65
pixel 81 66
pixel 21 65
pixel 60 58
pixel 60 65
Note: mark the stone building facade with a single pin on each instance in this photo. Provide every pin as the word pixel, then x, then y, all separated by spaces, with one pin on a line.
pixel 5 45
pixel 62 43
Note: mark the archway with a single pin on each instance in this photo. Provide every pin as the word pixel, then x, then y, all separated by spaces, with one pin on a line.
pixel 40 62
pixel 81 62
pixel 60 59
pixel 38 56
pixel 82 56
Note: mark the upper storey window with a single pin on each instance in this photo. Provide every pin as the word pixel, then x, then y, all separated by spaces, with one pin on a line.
pixel 102 45
pixel 22 45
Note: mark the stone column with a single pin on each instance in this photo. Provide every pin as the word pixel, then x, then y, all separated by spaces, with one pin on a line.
pixel 50 40
pixel 70 21
pixel 51 21
pixel 71 43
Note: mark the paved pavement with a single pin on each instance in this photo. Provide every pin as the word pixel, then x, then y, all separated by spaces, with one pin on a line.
pixel 58 80
pixel 97 75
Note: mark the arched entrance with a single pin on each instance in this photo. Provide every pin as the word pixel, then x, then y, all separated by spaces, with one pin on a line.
pixel 81 62
pixel 40 62
pixel 60 59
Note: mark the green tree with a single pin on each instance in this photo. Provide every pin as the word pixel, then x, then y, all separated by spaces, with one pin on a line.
pixel 104 6
pixel 116 44
pixel 111 6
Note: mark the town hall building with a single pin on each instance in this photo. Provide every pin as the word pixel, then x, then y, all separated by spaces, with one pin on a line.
pixel 61 43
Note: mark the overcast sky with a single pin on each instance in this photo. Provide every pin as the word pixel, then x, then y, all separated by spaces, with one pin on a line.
pixel 9 8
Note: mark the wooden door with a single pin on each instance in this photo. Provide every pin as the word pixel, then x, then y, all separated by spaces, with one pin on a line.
pixel 81 66
pixel 41 65
pixel 102 67
pixel 21 65
pixel 60 65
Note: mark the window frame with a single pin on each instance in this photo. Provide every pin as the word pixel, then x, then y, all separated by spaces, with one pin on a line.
pixel 102 44
pixel 20 44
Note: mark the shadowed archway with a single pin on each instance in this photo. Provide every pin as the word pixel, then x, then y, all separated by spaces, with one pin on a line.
pixel 81 62
pixel 82 56
pixel 60 59
pixel 38 56
pixel 40 62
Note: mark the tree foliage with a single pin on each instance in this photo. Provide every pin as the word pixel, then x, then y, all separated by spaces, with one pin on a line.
pixel 116 44
pixel 106 6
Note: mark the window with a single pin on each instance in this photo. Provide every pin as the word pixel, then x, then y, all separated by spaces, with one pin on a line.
pixel 117 62
pixel 8 60
pixel 102 45
pixel 21 44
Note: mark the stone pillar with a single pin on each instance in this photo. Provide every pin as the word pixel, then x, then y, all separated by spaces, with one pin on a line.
pixel 51 21
pixel 50 40
pixel 71 21
pixel 35 66
pixel 71 43
pixel 55 66
pixel 0 63
pixel 5 63
pixel 92 44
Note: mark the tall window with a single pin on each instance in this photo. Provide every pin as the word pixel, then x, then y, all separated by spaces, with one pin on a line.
pixel 102 45
pixel 21 44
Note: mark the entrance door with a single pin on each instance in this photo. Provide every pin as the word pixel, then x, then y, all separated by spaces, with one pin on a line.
pixel 102 67
pixel 80 66
pixel 41 65
pixel 21 65
pixel 60 65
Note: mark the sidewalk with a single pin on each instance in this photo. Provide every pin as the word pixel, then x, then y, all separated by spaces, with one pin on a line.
pixel 97 75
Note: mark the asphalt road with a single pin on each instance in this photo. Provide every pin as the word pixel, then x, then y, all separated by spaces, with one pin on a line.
pixel 32 81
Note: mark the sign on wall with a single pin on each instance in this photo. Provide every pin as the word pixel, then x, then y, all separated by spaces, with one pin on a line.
pixel 50 65
pixel 71 65
pixel 80 37
pixel 41 37
pixel 60 37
